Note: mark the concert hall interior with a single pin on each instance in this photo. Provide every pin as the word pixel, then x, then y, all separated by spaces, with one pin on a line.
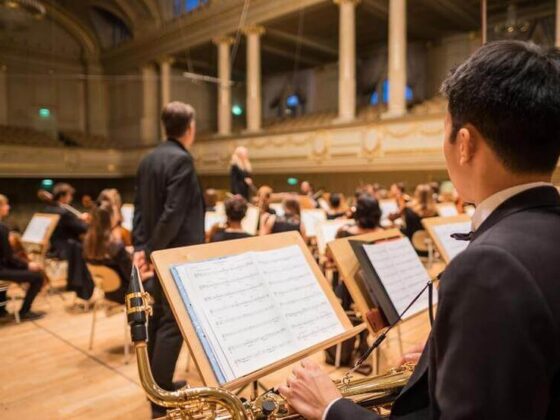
pixel 206 203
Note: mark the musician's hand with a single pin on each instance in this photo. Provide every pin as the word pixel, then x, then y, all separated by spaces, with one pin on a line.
pixel 413 355
pixel 86 217
pixel 309 390
pixel 33 266
pixel 139 259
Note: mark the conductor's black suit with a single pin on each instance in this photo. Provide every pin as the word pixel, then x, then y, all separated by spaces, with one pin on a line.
pixel 168 212
pixel 494 351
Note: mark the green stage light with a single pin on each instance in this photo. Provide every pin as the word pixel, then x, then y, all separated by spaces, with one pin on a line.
pixel 47 184
pixel 292 181
pixel 44 112
pixel 237 110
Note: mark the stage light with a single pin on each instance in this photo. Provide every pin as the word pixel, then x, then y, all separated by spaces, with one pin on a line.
pixel 292 101
pixel 47 184
pixel 44 112
pixel 292 181
pixel 237 110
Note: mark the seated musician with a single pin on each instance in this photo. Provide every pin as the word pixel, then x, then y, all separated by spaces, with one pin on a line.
pixel 272 223
pixel 66 242
pixel 70 226
pixel 494 349
pixel 236 209
pixel 103 245
pixel 264 194
pixel 335 207
pixel 16 270
pixel 368 217
pixel 421 206
pixel 113 197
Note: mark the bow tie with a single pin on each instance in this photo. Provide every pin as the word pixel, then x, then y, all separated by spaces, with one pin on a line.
pixel 462 236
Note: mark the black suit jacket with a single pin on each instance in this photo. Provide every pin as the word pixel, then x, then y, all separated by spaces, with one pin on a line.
pixel 494 350
pixel 7 258
pixel 168 206
pixel 69 227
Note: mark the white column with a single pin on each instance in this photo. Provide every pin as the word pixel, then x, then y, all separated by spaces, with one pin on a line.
pixel 254 111
pixel 347 60
pixel 557 23
pixel 165 83
pixel 3 95
pixel 150 121
pixel 165 79
pixel 95 105
pixel 397 58
pixel 224 86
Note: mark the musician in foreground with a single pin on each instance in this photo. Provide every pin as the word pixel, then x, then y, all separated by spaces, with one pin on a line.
pixel 494 350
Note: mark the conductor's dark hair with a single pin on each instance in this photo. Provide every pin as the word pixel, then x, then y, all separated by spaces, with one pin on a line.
pixel 236 208
pixel 368 212
pixel 177 118
pixel 510 92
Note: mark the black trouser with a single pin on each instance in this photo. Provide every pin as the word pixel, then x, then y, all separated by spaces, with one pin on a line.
pixel 35 280
pixel 164 339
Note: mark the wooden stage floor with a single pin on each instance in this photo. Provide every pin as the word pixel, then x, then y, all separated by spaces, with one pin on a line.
pixel 49 373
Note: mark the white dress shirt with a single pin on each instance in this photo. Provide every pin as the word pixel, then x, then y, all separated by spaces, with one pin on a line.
pixel 487 207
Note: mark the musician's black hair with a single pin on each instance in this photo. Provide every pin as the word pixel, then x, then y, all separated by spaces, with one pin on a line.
pixel 510 92
pixel 368 212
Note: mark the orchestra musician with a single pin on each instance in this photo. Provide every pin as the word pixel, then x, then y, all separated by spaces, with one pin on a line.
pixel 494 349
pixel 17 270
pixel 66 240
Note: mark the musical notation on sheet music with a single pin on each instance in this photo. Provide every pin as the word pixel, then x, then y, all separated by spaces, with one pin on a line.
pixel 452 246
pixel 401 273
pixel 258 307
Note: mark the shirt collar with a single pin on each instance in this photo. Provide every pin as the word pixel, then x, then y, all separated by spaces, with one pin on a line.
pixel 487 207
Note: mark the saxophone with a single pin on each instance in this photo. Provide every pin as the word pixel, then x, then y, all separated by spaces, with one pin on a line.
pixel 376 392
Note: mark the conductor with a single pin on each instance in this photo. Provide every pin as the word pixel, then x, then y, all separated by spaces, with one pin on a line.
pixel 168 212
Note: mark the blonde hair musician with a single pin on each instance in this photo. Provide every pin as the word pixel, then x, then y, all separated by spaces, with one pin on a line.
pixel 241 178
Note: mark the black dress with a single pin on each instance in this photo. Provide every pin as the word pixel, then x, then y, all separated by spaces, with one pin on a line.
pixel 237 181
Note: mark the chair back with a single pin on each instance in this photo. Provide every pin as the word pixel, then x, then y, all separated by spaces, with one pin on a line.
pixel 420 240
pixel 104 277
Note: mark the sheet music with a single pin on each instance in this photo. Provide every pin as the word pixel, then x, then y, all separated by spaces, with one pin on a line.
pixel 447 210
pixel 250 222
pixel 452 246
pixel 278 208
pixel 310 218
pixel 401 273
pixel 326 232
pixel 257 308
pixel 212 218
pixel 37 229
pixel 127 211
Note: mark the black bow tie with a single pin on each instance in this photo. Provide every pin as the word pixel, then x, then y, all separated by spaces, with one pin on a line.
pixel 463 236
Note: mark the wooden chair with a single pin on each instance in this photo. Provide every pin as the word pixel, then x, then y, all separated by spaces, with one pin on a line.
pixel 107 280
pixel 4 286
